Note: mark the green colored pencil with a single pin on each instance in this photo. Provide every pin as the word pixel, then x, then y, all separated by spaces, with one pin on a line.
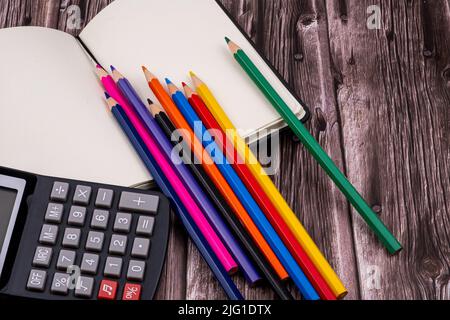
pixel 385 236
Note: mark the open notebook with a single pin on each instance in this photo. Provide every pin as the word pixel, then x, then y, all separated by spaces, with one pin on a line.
pixel 53 119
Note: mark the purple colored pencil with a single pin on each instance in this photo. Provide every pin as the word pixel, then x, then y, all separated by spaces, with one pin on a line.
pixel 247 267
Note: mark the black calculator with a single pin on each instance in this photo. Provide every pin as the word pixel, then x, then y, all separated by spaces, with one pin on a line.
pixel 67 239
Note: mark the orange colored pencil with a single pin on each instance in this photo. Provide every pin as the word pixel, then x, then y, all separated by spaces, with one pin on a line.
pixel 213 172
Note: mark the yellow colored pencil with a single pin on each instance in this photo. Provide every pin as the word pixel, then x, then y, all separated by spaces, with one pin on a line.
pixel 268 186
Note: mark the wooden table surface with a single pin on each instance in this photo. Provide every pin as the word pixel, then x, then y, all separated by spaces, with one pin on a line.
pixel 380 102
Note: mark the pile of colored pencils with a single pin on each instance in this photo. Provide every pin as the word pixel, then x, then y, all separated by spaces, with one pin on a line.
pixel 229 206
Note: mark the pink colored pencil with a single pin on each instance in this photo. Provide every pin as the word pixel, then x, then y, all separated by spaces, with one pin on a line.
pixel 197 215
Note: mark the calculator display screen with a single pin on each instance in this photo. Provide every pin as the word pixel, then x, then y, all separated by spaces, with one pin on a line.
pixel 7 201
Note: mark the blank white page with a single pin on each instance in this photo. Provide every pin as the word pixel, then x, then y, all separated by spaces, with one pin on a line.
pixel 53 117
pixel 172 37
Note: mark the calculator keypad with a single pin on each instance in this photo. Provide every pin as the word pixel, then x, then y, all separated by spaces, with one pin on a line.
pixel 54 213
pixel 104 198
pixel 77 216
pixel 42 257
pixel 141 248
pixel 95 241
pixel 36 280
pixel 145 226
pixel 82 236
pixel 122 222
pixel 66 259
pixel 100 219
pixel 135 202
pixel 108 290
pixel 60 284
pixel 89 263
pixel 84 287
pixel 82 195
pixel 136 269
pixel 48 234
pixel 118 244
pixel 71 238
pixel 60 191
pixel 113 267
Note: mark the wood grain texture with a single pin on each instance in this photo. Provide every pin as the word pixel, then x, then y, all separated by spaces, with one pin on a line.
pixel 394 106
pixel 380 103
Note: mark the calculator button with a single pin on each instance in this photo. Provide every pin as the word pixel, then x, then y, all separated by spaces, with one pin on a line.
pixel 77 216
pixel 122 222
pixel 140 248
pixel 60 284
pixel 54 212
pixel 84 287
pixel 66 259
pixel 100 219
pixel 48 234
pixel 71 238
pixel 89 263
pixel 138 202
pixel 145 226
pixel 59 191
pixel 42 257
pixel 131 291
pixel 113 267
pixel 108 290
pixel 136 270
pixel 118 244
pixel 36 280
pixel 94 241
pixel 82 195
pixel 104 198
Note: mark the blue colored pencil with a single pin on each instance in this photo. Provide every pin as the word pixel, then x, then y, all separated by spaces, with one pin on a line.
pixel 218 270
pixel 296 273
pixel 222 229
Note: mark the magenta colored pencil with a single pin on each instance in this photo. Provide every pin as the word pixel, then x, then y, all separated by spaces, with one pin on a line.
pixel 197 215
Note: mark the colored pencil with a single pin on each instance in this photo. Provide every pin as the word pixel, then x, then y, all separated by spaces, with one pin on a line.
pixel 208 255
pixel 189 158
pixel 295 272
pixel 215 219
pixel 308 267
pixel 232 200
pixel 361 206
pixel 180 188
pixel 271 190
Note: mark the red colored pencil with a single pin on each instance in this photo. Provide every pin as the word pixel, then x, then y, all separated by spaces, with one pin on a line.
pixel 261 197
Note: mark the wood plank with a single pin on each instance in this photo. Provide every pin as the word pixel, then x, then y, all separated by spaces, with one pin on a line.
pixel 44 13
pixel 13 13
pixel 172 285
pixel 26 12
pixel 293 35
pixel 394 102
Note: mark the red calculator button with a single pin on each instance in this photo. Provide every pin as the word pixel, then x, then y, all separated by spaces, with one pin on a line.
pixel 131 292
pixel 107 290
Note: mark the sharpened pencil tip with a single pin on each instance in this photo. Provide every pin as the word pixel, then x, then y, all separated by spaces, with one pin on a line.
pixel 144 68
pixel 227 39
pixel 184 84
pixel 149 101
pixel 155 109
pixel 107 95
pixel 168 81
pixel 192 74
pixel 112 68
pixel 99 66
pixel 196 80
pixel 187 91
